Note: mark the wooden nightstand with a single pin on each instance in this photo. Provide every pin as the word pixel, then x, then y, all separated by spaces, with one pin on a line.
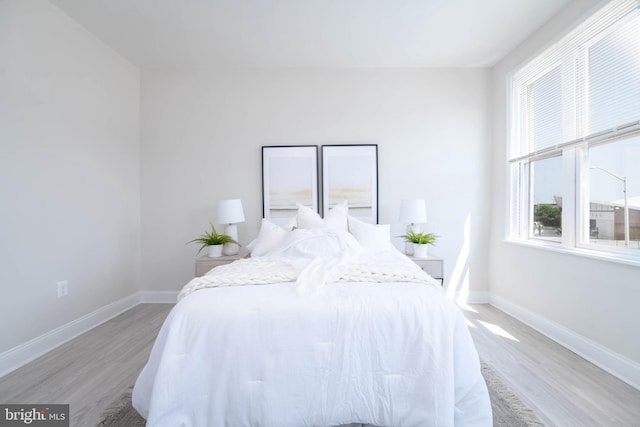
pixel 205 263
pixel 433 266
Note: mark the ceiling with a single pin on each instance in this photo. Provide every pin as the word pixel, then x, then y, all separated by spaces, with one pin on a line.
pixel 195 34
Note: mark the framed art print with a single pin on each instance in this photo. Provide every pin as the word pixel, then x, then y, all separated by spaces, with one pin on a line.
pixel 350 172
pixel 289 176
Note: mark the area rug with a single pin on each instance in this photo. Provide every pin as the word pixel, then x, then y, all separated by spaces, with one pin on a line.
pixel 508 410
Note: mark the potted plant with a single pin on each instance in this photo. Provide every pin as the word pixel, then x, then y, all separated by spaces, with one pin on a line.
pixel 213 241
pixel 420 242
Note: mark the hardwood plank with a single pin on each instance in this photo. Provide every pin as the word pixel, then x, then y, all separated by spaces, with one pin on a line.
pixel 561 387
pixel 90 371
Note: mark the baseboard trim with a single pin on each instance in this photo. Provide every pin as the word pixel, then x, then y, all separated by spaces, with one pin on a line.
pixel 612 362
pixel 159 297
pixel 24 353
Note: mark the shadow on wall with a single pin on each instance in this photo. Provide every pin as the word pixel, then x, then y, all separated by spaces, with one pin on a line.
pixel 458 287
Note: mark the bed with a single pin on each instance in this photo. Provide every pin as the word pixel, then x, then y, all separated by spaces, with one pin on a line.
pixel 324 325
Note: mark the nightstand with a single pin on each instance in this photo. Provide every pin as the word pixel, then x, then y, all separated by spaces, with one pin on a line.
pixel 205 263
pixel 433 266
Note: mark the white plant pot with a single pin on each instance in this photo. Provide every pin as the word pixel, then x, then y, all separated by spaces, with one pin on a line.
pixel 419 251
pixel 408 248
pixel 215 251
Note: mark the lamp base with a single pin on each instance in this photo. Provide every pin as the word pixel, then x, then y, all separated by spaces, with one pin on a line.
pixel 231 248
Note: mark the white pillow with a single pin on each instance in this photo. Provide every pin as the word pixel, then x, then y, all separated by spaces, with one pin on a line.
pixel 251 245
pixel 269 236
pixel 308 218
pixel 370 236
pixel 336 219
pixel 291 224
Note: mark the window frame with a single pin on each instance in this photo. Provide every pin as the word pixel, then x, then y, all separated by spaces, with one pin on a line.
pixel 573 149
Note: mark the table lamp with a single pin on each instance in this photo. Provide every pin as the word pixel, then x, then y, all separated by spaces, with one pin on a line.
pixel 230 213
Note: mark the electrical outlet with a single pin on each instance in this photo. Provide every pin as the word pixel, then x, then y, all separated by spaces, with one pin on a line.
pixel 63 288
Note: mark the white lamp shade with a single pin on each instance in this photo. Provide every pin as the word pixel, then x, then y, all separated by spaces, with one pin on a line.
pixel 413 211
pixel 230 211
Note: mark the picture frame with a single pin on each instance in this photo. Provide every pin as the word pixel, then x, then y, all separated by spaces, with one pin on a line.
pixel 289 176
pixel 350 172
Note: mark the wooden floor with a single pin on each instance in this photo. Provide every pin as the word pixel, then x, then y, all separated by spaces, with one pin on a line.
pixel 564 389
pixel 90 371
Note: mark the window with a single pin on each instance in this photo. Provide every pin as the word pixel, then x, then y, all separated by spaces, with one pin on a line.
pixel 614 211
pixel 547 199
pixel 574 146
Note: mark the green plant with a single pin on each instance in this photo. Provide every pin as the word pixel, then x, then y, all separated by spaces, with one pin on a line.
pixel 212 238
pixel 420 238
pixel 547 214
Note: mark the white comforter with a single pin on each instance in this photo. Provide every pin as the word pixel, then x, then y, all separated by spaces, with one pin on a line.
pixel 387 354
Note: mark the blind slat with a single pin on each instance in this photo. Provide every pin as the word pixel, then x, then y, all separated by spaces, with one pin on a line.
pixel 584 86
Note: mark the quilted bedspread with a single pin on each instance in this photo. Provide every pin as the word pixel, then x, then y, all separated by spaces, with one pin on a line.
pixel 383 353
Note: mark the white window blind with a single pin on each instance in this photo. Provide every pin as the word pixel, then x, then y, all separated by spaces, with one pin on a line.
pixel 613 78
pixel 586 87
pixel 544 110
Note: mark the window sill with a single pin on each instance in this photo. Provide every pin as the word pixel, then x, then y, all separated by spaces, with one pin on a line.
pixel 619 258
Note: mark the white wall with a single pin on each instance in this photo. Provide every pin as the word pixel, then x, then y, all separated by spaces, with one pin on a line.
pixel 69 171
pixel 202 137
pixel 593 299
